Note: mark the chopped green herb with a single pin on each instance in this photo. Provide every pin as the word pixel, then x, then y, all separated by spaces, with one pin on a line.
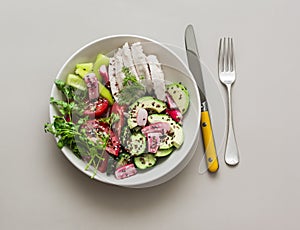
pixel 132 88
pixel 129 77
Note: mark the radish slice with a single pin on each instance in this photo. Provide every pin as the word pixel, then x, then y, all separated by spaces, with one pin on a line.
pixel 125 171
pixel 158 127
pixel 170 102
pixel 153 141
pixel 92 86
pixel 142 116
pixel 175 114
pixel 103 72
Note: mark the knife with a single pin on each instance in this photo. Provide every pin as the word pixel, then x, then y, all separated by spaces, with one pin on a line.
pixel 195 67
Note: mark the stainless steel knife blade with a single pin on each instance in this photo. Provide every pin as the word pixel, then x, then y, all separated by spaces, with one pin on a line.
pixel 194 60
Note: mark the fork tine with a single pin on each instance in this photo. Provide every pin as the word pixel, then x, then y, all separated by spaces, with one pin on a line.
pixel 224 53
pixel 221 55
pixel 232 55
pixel 228 54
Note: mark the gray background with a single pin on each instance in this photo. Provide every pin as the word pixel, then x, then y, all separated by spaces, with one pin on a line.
pixel 40 189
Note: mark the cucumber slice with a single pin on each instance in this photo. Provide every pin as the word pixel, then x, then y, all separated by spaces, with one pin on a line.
pixel 180 96
pixel 163 152
pixel 135 144
pixel 100 60
pixel 149 103
pixel 174 138
pixel 123 159
pixel 76 82
pixel 104 92
pixel 83 69
pixel 147 160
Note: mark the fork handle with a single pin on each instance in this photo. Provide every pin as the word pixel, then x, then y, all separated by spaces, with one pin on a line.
pixel 209 143
pixel 231 150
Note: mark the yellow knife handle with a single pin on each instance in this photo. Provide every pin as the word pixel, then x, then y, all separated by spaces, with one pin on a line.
pixel 209 143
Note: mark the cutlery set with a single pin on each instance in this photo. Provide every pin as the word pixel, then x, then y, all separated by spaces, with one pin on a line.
pixel 227 76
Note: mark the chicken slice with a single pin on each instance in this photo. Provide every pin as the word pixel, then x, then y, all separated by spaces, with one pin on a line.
pixel 119 65
pixel 158 78
pixel 140 62
pixel 128 61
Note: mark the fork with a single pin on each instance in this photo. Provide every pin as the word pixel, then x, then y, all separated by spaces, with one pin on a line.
pixel 227 76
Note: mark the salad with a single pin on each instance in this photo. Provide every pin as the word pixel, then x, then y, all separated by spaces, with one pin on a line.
pixel 118 114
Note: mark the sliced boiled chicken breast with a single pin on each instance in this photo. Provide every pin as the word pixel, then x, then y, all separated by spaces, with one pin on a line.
pixel 140 62
pixel 128 60
pixel 119 65
pixel 158 78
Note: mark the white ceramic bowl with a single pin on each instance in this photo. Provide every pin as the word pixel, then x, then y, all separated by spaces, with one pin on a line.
pixel 175 70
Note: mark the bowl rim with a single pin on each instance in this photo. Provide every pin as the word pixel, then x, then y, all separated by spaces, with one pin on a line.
pixel 146 182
